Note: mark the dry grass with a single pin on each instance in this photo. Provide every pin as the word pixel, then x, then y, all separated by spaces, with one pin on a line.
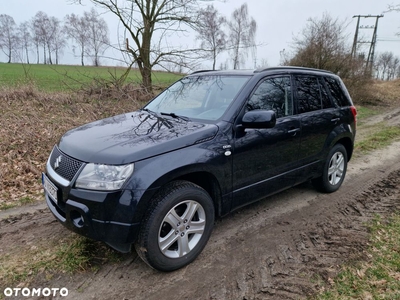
pixel 31 122
pixel 387 91
pixel 375 92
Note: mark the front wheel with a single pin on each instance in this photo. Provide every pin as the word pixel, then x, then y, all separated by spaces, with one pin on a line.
pixel 334 170
pixel 177 226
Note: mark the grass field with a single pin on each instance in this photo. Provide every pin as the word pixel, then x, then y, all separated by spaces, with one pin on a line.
pixel 65 77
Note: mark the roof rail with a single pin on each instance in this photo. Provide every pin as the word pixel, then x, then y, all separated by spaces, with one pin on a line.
pixel 291 68
pixel 201 71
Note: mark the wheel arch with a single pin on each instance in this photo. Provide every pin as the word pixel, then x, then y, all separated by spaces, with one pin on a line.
pixel 209 183
pixel 348 145
pixel 341 135
pixel 202 178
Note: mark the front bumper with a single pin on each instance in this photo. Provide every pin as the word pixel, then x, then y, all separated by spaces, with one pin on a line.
pixel 102 216
pixel 77 217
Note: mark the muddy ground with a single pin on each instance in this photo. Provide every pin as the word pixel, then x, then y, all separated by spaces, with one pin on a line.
pixel 285 247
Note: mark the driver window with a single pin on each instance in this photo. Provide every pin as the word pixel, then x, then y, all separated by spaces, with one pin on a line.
pixel 273 94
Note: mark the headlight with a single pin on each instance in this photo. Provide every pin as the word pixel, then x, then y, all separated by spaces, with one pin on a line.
pixel 103 177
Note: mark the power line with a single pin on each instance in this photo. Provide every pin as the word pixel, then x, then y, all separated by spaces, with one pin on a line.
pixel 388 40
pixel 371 53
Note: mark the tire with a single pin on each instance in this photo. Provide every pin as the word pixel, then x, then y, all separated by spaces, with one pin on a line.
pixel 334 170
pixel 176 227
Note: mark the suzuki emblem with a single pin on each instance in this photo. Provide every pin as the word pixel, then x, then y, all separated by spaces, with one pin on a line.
pixel 57 163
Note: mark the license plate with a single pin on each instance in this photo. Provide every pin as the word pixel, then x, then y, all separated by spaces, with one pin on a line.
pixel 49 187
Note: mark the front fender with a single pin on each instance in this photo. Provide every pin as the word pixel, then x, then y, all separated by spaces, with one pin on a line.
pixel 153 173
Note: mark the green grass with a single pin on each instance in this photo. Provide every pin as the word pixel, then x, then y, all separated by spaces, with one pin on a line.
pixel 65 77
pixel 379 139
pixel 379 278
pixel 21 201
pixel 69 255
pixel 363 112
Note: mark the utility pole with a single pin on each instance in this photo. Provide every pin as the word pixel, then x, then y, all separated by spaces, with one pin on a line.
pixel 372 42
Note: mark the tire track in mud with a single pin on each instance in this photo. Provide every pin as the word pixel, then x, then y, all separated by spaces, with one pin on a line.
pixel 309 246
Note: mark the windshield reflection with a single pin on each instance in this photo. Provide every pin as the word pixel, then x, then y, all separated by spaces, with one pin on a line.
pixel 199 97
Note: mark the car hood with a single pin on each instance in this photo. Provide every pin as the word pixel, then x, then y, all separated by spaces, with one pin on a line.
pixel 131 137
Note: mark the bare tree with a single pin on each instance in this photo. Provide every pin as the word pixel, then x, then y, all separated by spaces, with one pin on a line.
pixel 47 33
pixel 42 31
pixel 383 63
pixel 36 39
pixel 98 37
pixel 58 41
pixel 395 8
pixel 146 24
pixel 76 28
pixel 386 66
pixel 323 44
pixel 25 38
pixel 394 66
pixel 242 32
pixel 8 36
pixel 210 29
pixel 54 37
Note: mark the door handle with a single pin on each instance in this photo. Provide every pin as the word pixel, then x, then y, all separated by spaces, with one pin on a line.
pixel 294 131
pixel 335 120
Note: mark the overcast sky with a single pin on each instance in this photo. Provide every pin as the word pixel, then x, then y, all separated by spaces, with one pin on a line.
pixel 278 22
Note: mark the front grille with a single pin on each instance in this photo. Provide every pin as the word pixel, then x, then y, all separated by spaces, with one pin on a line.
pixel 67 166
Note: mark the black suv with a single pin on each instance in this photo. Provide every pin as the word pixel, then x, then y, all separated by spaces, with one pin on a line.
pixel 212 142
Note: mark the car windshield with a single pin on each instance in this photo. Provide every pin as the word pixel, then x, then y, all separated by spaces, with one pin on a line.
pixel 198 97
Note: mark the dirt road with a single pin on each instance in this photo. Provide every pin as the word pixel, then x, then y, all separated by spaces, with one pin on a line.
pixel 284 247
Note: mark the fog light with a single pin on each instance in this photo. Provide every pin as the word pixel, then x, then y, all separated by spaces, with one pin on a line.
pixel 77 218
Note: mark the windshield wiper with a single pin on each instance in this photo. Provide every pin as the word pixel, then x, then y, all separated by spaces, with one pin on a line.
pixel 147 110
pixel 175 116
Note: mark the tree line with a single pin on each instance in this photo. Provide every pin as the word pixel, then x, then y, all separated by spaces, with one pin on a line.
pixel 387 66
pixel 150 26
pixel 47 37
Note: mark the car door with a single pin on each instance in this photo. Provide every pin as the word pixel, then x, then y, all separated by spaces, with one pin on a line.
pixel 264 159
pixel 318 118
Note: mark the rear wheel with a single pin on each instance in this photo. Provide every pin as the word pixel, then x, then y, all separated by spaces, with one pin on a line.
pixel 334 170
pixel 177 227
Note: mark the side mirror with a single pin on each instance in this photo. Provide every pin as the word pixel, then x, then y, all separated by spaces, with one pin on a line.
pixel 259 119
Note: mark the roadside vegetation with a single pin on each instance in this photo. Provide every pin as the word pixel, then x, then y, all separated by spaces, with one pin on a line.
pixel 383 136
pixel 69 255
pixel 32 118
pixel 377 278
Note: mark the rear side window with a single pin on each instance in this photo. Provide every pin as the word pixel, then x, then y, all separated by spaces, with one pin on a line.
pixel 326 101
pixel 308 93
pixel 339 97
pixel 273 94
pixel 311 94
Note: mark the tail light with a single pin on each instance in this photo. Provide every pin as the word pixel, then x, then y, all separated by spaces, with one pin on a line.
pixel 354 112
